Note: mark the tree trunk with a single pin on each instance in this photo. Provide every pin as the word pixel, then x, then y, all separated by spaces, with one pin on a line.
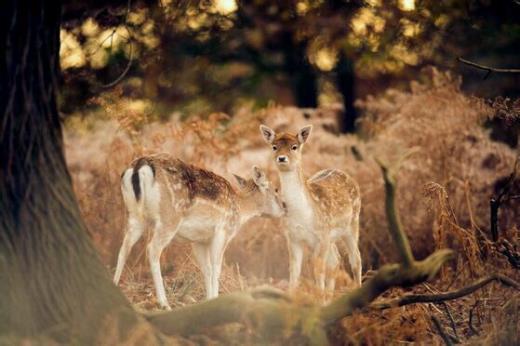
pixel 345 79
pixel 301 74
pixel 52 284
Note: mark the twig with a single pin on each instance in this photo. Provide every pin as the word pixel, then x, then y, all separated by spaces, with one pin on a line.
pixel 125 71
pixel 100 45
pixel 506 248
pixel 436 298
pixel 496 201
pixel 441 331
pixel 489 69
pixel 470 321
pixel 130 58
pixel 450 317
pixel 468 203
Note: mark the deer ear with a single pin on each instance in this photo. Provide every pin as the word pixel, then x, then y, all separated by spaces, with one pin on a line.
pixel 241 181
pixel 304 133
pixel 267 133
pixel 259 176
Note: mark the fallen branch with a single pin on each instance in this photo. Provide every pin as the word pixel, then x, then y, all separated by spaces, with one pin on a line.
pixel 390 275
pixel 392 214
pixel 441 297
pixel 264 310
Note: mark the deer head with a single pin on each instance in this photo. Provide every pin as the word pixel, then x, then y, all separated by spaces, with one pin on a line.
pixel 286 147
pixel 258 195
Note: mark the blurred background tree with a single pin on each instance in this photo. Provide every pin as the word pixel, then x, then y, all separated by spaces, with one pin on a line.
pixel 186 55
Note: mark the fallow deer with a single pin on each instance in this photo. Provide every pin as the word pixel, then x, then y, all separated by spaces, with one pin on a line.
pixel 319 211
pixel 195 204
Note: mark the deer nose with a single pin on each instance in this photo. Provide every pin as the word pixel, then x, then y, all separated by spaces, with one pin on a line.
pixel 282 158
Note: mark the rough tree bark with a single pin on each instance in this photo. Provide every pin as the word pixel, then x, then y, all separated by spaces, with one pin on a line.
pixel 51 280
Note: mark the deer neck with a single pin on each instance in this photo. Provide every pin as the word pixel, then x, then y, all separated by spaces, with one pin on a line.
pixel 247 209
pixel 296 195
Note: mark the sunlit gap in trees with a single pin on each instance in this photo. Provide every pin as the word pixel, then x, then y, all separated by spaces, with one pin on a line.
pixel 404 5
pixel 92 45
pixel 322 55
pixel 225 6
pixel 369 38
pixel 407 5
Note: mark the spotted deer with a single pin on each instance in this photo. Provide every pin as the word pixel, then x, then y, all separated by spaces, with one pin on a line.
pixel 319 211
pixel 195 204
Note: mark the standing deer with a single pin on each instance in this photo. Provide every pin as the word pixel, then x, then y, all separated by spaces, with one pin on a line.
pixel 319 211
pixel 196 204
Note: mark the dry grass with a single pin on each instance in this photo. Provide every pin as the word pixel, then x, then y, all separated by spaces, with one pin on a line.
pixel 443 197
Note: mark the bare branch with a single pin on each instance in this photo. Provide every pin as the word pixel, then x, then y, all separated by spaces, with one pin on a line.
pixel 488 68
pixel 496 201
pixel 470 320
pixel 125 71
pixel 392 214
pixel 441 297
pixel 450 317
pixel 131 57
pixel 441 331
pixel 390 275
pixel 506 248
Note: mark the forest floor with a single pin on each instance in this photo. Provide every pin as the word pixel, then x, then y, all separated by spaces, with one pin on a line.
pixel 443 198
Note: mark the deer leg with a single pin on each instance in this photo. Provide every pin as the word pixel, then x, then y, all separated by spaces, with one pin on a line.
pixel 354 256
pixel 217 248
pixel 160 240
pixel 201 252
pixel 133 233
pixel 319 259
pixel 295 263
pixel 333 259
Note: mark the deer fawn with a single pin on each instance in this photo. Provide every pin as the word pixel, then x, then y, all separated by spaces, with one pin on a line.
pixel 319 211
pixel 194 203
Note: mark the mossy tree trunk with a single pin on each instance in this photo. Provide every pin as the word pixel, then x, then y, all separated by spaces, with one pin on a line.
pixel 52 283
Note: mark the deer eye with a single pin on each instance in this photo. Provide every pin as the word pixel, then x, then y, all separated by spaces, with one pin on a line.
pixel 275 148
pixel 294 147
